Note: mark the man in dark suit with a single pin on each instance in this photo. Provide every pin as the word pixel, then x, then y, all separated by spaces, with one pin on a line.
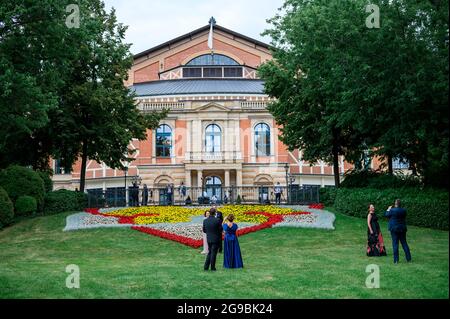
pixel 213 229
pixel 219 216
pixel 397 227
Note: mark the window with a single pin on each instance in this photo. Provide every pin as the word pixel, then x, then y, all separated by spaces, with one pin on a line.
pixel 262 139
pixel 59 169
pixel 212 72
pixel 213 136
pixel 192 72
pixel 212 59
pixel 235 72
pixel 163 141
pixel 398 163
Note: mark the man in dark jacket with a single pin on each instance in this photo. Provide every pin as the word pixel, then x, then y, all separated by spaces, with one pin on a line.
pixel 219 216
pixel 213 229
pixel 397 227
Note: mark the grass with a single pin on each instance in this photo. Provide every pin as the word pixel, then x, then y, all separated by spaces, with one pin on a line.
pixel 279 263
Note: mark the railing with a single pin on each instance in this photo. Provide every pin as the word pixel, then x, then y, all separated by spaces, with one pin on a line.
pixel 213 157
pixel 203 196
pixel 155 106
pixel 253 105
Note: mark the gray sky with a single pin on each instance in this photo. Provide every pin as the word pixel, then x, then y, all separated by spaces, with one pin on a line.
pixel 153 22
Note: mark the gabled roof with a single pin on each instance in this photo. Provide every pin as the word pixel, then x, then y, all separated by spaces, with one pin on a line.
pixel 197 31
pixel 199 86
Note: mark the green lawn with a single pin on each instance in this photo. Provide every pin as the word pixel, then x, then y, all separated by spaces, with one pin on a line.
pixel 279 263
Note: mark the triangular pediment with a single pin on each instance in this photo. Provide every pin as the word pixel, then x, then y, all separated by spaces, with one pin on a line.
pixel 213 107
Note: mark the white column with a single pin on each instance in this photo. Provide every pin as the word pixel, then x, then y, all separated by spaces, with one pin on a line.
pixel 239 178
pixel 199 178
pixel 187 178
pixel 227 178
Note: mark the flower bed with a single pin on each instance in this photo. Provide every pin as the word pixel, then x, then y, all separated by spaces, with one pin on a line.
pixel 184 224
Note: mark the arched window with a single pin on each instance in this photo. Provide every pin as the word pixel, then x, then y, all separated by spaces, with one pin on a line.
pixel 213 139
pixel 212 59
pixel 163 140
pixel 262 139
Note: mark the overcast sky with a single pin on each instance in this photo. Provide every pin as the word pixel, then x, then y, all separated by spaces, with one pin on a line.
pixel 152 22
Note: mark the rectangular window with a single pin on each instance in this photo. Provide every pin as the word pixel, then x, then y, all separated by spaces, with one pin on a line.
pixel 232 72
pixel 398 163
pixel 192 72
pixel 212 72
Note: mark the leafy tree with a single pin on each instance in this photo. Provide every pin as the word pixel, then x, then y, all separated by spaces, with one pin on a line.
pixel 343 88
pixel 312 77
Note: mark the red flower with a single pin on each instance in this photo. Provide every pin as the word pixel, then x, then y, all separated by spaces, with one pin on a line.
pixel 316 206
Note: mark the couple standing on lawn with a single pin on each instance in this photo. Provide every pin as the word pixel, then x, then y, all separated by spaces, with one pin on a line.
pixel 397 227
pixel 213 226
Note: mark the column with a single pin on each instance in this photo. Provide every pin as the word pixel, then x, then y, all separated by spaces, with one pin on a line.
pixel 199 178
pixel 227 178
pixel 239 177
pixel 187 178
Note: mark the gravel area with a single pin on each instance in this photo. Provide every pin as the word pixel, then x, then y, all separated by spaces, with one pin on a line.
pixel 87 221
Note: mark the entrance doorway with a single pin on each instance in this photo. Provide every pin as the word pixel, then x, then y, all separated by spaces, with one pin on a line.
pixel 213 188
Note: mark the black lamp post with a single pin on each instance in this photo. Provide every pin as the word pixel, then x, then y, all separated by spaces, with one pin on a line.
pixel 125 170
pixel 286 168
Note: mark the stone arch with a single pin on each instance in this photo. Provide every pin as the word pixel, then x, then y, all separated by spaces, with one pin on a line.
pixel 163 180
pixel 263 179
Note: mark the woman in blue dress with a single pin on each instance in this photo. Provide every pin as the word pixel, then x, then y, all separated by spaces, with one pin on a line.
pixel 232 257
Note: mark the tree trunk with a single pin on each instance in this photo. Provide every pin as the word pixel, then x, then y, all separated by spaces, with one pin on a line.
pixel 337 180
pixel 335 151
pixel 83 166
pixel 390 165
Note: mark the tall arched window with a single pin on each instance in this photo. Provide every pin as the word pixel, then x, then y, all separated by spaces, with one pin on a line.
pixel 213 140
pixel 163 140
pixel 262 139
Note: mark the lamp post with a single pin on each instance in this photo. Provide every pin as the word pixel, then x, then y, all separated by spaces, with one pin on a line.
pixel 286 168
pixel 125 169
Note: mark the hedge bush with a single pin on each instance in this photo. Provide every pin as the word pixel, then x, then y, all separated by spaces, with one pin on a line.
pixel 6 209
pixel 63 201
pixel 25 205
pixel 425 207
pixel 18 181
pixel 327 195
pixel 379 180
pixel 47 179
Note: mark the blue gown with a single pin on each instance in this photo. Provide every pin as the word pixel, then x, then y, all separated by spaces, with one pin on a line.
pixel 232 257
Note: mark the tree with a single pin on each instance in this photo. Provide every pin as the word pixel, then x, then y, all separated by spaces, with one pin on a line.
pixel 98 116
pixel 62 90
pixel 312 76
pixel 344 88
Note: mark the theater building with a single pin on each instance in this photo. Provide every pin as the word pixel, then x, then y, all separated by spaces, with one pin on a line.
pixel 218 132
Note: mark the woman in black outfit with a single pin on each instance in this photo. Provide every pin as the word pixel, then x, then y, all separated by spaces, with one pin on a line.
pixel 375 243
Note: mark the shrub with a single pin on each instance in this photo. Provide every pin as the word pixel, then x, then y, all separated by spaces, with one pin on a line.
pixel 63 201
pixel 18 181
pixel 238 200
pixel 6 209
pixel 327 195
pixel 25 205
pixel 425 208
pixel 378 180
pixel 47 179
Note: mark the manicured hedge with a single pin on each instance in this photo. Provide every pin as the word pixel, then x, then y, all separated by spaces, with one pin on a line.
pixel 18 181
pixel 6 209
pixel 380 180
pixel 47 179
pixel 327 195
pixel 63 201
pixel 25 205
pixel 425 207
